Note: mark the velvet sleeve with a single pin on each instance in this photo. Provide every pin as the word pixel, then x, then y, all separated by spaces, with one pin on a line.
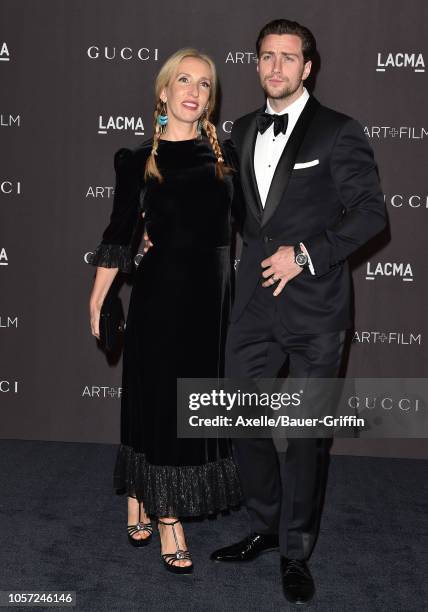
pixel 231 159
pixel 114 250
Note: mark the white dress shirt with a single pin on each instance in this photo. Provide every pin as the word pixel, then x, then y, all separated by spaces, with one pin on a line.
pixel 269 149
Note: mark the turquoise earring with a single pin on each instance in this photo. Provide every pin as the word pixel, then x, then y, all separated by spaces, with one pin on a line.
pixel 200 123
pixel 162 119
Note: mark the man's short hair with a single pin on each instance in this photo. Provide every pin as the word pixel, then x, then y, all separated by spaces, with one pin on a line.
pixel 285 26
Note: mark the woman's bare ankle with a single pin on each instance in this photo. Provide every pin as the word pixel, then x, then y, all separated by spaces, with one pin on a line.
pixel 137 514
pixel 168 543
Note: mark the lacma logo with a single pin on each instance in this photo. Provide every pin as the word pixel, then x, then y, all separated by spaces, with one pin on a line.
pixel 4 53
pixel 402 270
pixel 135 124
pixel 400 60
pixel 3 257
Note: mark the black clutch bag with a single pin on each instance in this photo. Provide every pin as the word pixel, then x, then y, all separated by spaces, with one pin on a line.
pixel 112 323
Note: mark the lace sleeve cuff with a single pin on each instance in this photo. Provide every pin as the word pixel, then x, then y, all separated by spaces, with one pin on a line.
pixel 112 256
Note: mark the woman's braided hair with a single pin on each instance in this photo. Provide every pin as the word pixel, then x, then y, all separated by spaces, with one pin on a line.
pixel 165 75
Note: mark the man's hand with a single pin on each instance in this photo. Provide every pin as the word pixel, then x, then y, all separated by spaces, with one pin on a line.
pixel 147 242
pixel 280 267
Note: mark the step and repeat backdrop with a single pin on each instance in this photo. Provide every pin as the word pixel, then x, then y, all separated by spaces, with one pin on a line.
pixel 77 84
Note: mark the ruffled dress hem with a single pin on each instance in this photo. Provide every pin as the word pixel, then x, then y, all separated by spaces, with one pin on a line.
pixel 182 491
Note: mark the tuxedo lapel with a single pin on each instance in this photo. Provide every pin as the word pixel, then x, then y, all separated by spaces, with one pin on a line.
pixel 286 162
pixel 248 175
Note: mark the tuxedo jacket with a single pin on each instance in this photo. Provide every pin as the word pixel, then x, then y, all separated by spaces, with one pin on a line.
pixel 325 193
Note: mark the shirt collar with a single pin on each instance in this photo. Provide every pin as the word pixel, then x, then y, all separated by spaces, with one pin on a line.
pixel 295 107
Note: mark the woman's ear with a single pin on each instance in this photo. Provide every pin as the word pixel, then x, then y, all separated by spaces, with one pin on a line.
pixel 163 95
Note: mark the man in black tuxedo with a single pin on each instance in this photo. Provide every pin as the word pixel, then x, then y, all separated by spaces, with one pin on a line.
pixel 312 197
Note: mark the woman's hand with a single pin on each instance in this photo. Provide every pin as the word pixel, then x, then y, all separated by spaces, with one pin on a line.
pixel 94 314
pixel 103 281
pixel 147 242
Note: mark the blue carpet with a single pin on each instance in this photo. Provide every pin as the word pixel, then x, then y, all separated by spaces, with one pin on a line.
pixel 63 528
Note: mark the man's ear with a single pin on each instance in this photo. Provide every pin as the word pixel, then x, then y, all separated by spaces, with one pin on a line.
pixel 307 70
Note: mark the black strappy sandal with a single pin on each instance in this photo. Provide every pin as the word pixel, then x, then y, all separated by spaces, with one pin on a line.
pixel 179 555
pixel 133 529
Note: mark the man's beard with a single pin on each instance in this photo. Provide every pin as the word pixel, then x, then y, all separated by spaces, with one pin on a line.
pixel 281 93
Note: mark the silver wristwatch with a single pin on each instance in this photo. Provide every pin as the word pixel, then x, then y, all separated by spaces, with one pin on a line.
pixel 300 258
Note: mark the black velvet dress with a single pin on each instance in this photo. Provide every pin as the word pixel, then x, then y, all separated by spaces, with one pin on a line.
pixel 176 324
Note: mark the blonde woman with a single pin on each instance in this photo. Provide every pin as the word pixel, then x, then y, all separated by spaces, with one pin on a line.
pixel 178 308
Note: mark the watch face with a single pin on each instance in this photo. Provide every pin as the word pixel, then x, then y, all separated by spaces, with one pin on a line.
pixel 301 259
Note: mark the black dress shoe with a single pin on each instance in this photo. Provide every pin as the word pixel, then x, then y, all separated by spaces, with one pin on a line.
pixel 247 549
pixel 297 582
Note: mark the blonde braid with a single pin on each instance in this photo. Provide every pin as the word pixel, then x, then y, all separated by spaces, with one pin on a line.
pixel 152 169
pixel 220 168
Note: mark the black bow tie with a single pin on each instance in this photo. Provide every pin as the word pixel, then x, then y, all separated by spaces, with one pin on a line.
pixel 264 120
